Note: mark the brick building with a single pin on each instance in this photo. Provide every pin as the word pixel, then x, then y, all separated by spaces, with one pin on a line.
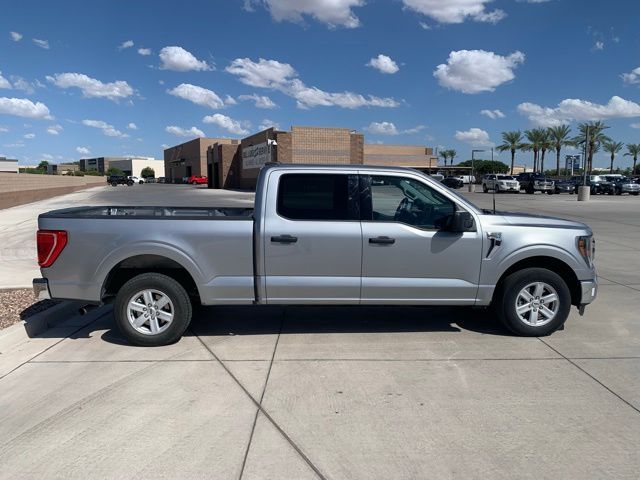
pixel 190 158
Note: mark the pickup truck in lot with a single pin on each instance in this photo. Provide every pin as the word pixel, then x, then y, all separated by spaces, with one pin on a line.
pixel 318 235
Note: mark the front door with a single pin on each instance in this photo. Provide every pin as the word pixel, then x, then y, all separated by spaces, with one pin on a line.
pixel 406 257
pixel 312 238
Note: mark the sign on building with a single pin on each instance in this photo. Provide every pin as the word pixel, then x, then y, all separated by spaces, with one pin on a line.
pixel 256 156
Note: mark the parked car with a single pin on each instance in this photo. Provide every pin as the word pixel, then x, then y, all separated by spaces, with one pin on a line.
pixel 137 180
pixel 318 235
pixel 536 182
pixel 452 182
pixel 565 186
pixel 161 180
pixel 115 180
pixel 466 179
pixel 437 176
pixel 623 185
pixel 597 184
pixel 500 183
pixel 197 180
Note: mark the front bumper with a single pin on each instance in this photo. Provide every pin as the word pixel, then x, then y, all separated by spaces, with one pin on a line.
pixel 630 189
pixel 589 291
pixel 41 289
pixel 543 188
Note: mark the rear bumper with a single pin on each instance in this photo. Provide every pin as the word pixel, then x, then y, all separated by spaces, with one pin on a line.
pixel 41 289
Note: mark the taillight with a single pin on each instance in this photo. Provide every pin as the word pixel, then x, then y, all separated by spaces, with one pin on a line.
pixel 50 245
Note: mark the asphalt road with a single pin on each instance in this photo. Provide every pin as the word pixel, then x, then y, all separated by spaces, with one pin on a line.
pixel 335 392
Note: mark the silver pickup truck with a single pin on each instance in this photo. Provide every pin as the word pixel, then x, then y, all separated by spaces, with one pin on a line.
pixel 318 235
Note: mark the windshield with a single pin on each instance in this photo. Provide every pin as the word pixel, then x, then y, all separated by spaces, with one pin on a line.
pixel 505 177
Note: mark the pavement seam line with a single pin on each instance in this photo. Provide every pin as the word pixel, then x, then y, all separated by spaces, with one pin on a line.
pixel 618 283
pixel 51 346
pixel 264 412
pixel 592 377
pixel 264 389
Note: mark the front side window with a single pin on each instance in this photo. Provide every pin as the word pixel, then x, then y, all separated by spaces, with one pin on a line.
pixel 310 196
pixel 405 200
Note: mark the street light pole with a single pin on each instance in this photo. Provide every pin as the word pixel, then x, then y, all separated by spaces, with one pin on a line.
pixel 584 191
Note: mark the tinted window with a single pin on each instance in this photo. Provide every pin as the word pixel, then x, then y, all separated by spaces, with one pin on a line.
pixel 317 197
pixel 404 200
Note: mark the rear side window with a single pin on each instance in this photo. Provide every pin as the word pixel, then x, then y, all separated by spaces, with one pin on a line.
pixel 310 196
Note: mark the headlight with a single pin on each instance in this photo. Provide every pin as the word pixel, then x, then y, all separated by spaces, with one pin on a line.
pixel 587 248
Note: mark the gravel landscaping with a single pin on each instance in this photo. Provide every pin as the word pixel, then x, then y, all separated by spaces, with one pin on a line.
pixel 19 304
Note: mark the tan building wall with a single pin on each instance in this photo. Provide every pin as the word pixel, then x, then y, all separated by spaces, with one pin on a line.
pixel 18 189
pixel 189 158
pixel 400 156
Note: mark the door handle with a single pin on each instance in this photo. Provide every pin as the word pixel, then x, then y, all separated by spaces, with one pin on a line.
pixel 284 239
pixel 382 240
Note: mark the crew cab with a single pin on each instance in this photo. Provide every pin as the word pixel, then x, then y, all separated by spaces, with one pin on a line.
pixel 347 235
pixel 197 180
pixel 115 180
pixel 535 182
pixel 500 183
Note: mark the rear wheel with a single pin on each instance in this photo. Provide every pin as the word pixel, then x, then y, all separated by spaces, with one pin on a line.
pixel 533 302
pixel 152 309
pixel 114 184
pixel 529 189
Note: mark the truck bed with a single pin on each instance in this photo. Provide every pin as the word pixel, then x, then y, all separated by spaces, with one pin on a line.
pixel 156 213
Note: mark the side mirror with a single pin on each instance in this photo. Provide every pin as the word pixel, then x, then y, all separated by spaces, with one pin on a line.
pixel 460 221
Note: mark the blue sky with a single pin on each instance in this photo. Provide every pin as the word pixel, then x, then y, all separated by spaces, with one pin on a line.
pixel 125 78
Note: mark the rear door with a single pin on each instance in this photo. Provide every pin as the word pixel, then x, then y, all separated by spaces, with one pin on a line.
pixel 312 238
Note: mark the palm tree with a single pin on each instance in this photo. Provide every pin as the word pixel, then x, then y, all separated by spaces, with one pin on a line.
pixel 452 155
pixel 535 138
pixel 612 148
pixel 444 154
pixel 560 138
pixel 596 137
pixel 633 150
pixel 511 141
pixel 546 143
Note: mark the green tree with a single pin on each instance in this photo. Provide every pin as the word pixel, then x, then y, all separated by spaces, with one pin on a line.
pixel 114 171
pixel 560 138
pixel 511 141
pixel 148 172
pixel 535 139
pixel 452 155
pixel 482 167
pixel 612 148
pixel 444 154
pixel 546 143
pixel 596 137
pixel 633 150
pixel 43 165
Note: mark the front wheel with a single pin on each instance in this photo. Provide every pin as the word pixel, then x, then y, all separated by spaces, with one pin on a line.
pixel 152 309
pixel 533 302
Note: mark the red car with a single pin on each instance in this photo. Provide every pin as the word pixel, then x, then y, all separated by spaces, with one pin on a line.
pixel 197 180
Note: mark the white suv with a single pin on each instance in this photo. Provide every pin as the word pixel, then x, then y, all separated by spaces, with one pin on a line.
pixel 500 183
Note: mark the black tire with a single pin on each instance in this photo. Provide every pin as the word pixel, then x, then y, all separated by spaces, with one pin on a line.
pixel 182 309
pixel 507 296
pixel 140 182
pixel 114 184
pixel 635 194
pixel 130 183
pixel 194 183
pixel 484 188
pixel 549 192
pixel 529 190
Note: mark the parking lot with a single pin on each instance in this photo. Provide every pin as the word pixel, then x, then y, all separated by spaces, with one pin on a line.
pixel 337 392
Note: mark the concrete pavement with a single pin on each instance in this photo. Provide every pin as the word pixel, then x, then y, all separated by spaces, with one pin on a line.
pixel 334 392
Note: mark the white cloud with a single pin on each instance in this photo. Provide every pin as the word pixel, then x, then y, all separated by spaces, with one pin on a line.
pixel 492 114
pixel 389 128
pixel 132 126
pixel 126 44
pixel 15 36
pixel 54 129
pixel 4 129
pixel 83 150
pixel 92 87
pixel 384 64
pixel 229 100
pixel 23 107
pixel 260 101
pixel 282 77
pixel 266 123
pixel 144 51
pixel 197 95
pixel 182 132
pixel 474 71
pixel 41 43
pixel 227 123
pixel 475 137
pixel 180 60
pixel 20 83
pixel 46 156
pixel 632 78
pixel 4 83
pixel 29 136
pixel 455 11
pixel 108 130
pixel 331 12
pixel 633 125
pixel 599 45
pixel 579 110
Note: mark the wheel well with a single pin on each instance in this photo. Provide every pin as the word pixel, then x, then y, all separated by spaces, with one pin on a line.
pixel 550 263
pixel 133 266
